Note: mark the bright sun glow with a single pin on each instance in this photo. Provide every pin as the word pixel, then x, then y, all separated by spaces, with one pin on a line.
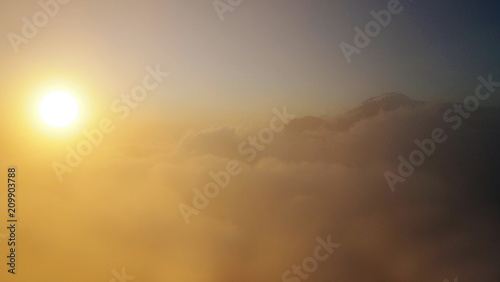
pixel 58 109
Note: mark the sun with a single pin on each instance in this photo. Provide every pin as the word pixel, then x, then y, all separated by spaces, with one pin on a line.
pixel 58 109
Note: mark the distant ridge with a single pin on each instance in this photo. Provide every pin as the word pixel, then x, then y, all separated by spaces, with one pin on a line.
pixel 384 103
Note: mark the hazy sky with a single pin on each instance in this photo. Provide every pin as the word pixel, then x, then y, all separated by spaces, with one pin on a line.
pixel 264 52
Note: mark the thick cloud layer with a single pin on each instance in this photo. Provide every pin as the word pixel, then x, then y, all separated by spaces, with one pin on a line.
pixel 120 207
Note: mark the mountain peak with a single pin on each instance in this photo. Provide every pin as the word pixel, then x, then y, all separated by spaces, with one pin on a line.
pixel 389 96
pixel 384 103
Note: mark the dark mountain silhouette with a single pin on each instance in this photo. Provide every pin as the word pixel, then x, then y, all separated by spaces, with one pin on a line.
pixel 384 103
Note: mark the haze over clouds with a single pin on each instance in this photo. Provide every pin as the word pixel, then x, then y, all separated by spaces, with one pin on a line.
pixel 120 207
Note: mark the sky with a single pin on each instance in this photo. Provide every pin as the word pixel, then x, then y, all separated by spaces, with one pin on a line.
pixel 261 54
pixel 118 191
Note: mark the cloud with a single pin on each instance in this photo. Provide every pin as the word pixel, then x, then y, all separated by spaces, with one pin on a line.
pixel 120 209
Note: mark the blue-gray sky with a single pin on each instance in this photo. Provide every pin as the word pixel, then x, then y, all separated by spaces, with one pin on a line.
pixel 263 54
